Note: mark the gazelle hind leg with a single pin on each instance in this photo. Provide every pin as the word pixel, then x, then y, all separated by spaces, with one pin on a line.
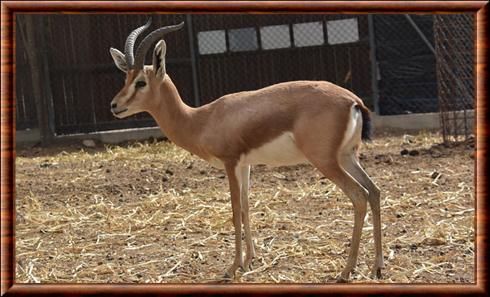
pixel 250 254
pixel 358 196
pixel 351 164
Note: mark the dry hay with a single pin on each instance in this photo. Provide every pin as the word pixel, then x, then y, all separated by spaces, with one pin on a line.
pixel 151 213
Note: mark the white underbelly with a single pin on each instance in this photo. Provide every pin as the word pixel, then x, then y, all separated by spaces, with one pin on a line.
pixel 280 151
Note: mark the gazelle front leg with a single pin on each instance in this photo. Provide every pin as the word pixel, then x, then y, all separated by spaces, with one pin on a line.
pixel 245 184
pixel 233 178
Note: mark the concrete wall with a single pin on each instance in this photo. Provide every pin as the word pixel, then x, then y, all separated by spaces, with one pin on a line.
pixel 403 123
pixel 416 121
pixel 32 137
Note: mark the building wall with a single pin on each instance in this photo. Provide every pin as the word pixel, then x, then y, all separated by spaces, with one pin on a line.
pixel 219 54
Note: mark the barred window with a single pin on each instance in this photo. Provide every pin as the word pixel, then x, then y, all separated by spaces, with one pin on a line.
pixel 342 31
pixel 244 39
pixel 308 34
pixel 211 42
pixel 273 37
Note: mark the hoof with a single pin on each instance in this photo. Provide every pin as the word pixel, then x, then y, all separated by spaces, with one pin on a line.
pixel 377 273
pixel 219 281
pixel 342 280
pixel 247 266
pixel 231 272
pixel 225 280
pixel 228 277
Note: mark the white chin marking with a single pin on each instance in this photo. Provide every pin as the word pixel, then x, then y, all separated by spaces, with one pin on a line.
pixel 120 115
pixel 280 151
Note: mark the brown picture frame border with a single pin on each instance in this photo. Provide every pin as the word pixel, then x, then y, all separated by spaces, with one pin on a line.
pixel 10 8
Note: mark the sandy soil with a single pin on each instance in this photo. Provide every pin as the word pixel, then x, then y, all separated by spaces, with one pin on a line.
pixel 151 212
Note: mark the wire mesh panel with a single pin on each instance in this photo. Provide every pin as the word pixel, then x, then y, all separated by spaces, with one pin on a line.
pixel 87 80
pixel 215 55
pixel 407 71
pixel 82 76
pixel 247 52
pixel 454 36
pixel 25 107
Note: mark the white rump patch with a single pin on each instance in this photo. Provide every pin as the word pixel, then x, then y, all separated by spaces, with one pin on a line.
pixel 352 135
pixel 280 151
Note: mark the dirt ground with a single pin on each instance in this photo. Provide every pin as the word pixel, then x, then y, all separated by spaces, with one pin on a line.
pixel 150 212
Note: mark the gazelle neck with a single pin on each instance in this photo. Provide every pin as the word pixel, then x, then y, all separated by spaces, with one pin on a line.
pixel 176 119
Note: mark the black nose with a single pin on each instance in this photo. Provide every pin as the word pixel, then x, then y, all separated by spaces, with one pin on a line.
pixel 113 105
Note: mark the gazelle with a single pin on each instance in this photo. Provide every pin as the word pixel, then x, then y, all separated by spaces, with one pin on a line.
pixel 288 123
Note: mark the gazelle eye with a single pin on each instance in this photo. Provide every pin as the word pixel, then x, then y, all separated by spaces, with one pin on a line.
pixel 140 84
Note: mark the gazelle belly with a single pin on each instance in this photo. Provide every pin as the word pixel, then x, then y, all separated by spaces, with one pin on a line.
pixel 281 151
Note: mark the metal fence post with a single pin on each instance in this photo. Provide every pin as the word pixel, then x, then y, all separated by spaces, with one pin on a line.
pixel 374 64
pixel 195 76
pixel 420 33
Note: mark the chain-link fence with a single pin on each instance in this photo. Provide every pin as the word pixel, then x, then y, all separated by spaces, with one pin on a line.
pixel 454 40
pixel 384 59
pixel 407 76
pixel 246 52
pixel 79 78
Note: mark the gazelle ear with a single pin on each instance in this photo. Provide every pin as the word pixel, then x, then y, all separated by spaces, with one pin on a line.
pixel 119 59
pixel 159 59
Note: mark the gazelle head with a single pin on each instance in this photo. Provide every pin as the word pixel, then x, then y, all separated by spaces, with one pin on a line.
pixel 141 85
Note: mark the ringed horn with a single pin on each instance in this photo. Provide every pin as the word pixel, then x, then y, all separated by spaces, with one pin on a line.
pixel 137 61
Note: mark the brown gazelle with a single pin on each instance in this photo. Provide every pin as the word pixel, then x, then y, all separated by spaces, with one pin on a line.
pixel 289 123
